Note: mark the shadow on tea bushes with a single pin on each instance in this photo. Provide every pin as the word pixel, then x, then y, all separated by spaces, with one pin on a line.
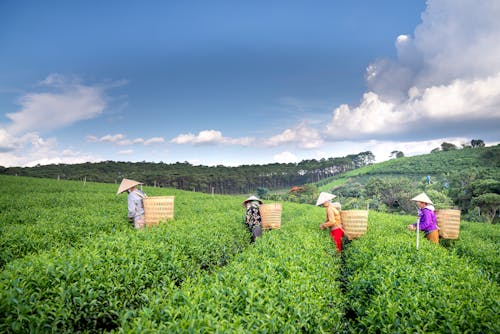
pixel 87 289
pixel 392 287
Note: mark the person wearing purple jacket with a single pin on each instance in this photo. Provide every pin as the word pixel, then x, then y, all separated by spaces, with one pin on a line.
pixel 426 218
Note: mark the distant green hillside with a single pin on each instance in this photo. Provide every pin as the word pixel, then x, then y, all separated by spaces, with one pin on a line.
pixel 210 179
pixel 467 179
pixel 486 160
pixel 71 263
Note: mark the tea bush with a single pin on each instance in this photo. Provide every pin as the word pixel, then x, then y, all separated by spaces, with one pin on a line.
pixel 479 244
pixel 285 283
pixel 86 288
pixel 392 287
pixel 71 263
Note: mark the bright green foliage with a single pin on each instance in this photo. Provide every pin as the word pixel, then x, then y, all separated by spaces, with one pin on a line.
pixel 489 202
pixel 457 179
pixel 37 214
pixel 285 283
pixel 439 200
pixel 199 274
pixel 479 244
pixel 308 194
pixel 395 193
pixel 395 288
pixel 182 175
pixel 87 287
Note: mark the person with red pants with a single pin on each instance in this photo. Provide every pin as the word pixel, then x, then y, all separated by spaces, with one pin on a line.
pixel 333 220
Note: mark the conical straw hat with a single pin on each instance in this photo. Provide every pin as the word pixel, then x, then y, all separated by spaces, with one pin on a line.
pixel 126 185
pixel 422 198
pixel 252 198
pixel 324 197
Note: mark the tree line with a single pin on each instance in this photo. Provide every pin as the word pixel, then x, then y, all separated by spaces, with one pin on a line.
pixel 467 178
pixel 219 179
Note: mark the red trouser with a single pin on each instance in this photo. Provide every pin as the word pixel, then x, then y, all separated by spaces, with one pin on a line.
pixel 337 235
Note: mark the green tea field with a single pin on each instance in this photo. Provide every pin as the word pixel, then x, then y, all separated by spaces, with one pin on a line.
pixel 71 263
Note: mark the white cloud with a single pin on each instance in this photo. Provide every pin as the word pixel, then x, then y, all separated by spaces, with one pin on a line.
pixel 465 99
pixel 127 142
pixel 121 140
pixel 461 100
pixel 58 102
pixel 67 101
pixel 154 140
pixel 286 157
pixel 126 152
pixel 372 116
pixel 445 78
pixel 7 141
pixel 302 136
pixel 458 41
pixel 210 137
pixel 382 148
pixel 75 158
pixel 30 149
pixel 452 42
pixel 112 138
pixel 92 139
pixel 54 79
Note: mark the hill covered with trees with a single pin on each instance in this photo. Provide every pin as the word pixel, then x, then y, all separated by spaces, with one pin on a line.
pixel 70 263
pixel 218 179
pixel 467 178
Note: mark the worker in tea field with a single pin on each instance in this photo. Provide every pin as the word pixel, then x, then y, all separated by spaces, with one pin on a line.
pixel 333 220
pixel 426 218
pixel 135 203
pixel 253 219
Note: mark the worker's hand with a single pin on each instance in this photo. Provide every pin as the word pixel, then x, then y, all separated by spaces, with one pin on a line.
pixel 130 219
pixel 322 226
pixel 411 227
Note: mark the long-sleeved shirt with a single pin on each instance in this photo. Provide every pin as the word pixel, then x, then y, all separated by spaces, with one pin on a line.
pixel 333 219
pixel 427 219
pixel 135 205
pixel 253 218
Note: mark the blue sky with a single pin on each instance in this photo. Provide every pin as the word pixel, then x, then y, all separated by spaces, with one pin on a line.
pixel 244 82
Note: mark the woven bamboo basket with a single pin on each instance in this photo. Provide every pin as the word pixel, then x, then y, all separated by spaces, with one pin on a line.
pixel 354 223
pixel 448 221
pixel 158 208
pixel 271 215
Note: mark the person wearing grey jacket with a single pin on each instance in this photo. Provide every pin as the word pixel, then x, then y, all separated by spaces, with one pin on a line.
pixel 135 202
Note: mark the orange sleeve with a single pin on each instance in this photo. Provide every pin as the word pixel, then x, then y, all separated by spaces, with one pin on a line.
pixel 333 217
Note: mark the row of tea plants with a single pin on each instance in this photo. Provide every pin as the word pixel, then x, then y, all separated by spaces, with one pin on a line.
pixel 87 285
pixel 286 283
pixel 394 288
pixel 37 215
pixel 82 268
pixel 479 244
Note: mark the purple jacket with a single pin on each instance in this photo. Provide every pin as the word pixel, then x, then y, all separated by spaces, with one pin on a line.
pixel 427 219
